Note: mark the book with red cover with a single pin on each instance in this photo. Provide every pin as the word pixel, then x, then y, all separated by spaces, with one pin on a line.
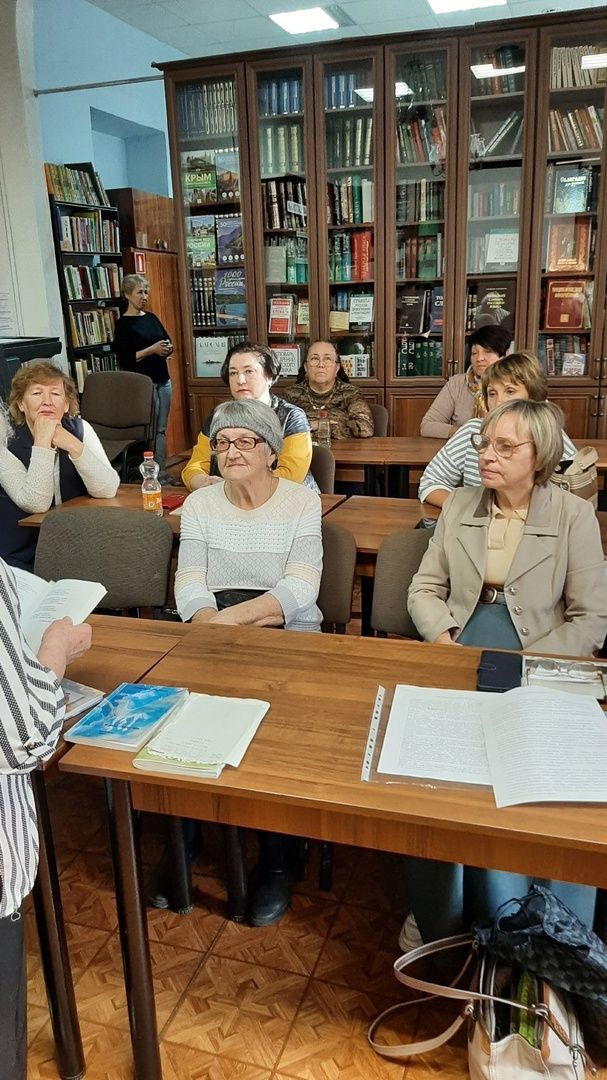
pixel 569 245
pixel 280 320
pixel 564 305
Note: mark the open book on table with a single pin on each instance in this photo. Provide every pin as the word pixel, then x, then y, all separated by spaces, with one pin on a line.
pixel 530 744
pixel 207 733
pixel 44 601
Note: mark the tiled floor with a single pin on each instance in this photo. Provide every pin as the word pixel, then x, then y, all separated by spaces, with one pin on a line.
pixel 234 1003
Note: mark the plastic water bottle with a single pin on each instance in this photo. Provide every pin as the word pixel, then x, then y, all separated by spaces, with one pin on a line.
pixel 323 431
pixel 151 491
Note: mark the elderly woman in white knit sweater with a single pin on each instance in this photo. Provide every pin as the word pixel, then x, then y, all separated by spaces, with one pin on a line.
pixel 251 555
pixel 228 571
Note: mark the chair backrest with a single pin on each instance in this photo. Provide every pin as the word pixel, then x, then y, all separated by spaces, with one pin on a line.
pixel 322 468
pixel 128 551
pixel 381 418
pixel 118 404
pixel 398 560
pixel 337 581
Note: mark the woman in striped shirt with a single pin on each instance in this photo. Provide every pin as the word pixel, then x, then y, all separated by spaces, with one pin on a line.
pixel 31 712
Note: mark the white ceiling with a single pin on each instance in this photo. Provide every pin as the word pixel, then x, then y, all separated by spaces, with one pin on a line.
pixel 210 27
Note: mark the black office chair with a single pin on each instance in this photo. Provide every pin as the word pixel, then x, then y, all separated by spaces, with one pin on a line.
pixel 322 468
pixel 119 406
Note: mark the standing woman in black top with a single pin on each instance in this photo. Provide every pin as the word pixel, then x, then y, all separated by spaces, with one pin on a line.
pixel 142 344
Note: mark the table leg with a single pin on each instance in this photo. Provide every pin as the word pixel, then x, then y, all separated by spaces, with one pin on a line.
pixel 366 605
pixel 236 873
pixel 181 867
pixel 600 914
pixel 398 481
pixel 53 946
pixel 370 480
pixel 133 931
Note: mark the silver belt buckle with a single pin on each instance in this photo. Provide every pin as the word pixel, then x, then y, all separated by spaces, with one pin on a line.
pixel 489 594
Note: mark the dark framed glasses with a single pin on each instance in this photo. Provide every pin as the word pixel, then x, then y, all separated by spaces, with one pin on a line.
pixel 243 442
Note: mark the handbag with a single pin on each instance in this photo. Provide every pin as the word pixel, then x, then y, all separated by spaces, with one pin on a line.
pixel 580 475
pixel 542 934
pixel 522 1037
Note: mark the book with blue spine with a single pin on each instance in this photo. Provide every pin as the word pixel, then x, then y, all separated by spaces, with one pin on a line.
pixel 128 717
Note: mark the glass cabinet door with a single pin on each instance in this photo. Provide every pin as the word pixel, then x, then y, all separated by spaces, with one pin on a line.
pixel 350 241
pixel 284 199
pixel 498 174
pixel 571 301
pixel 418 211
pixel 210 176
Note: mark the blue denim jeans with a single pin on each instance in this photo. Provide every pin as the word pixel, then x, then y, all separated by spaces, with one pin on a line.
pixel 162 404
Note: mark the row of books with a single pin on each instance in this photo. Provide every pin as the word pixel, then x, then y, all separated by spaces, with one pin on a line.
pixel 286 260
pixel 571 189
pixel 500 59
pixel 351 256
pixel 281 149
pixel 490 304
pixel 575 129
pixel 426 79
pixel 206 108
pixel 288 316
pixel 493 198
pixel 351 311
pixel 92 282
pixel 487 140
pixel 339 89
pixel 218 298
pixel 492 251
pixel 563 354
pixel 420 311
pixel 67 183
pixel 420 200
pixel 418 357
pixel 349 141
pixel 89 232
pixel 570 244
pixel 279 96
pixel 350 201
pixel 284 204
pixel 210 176
pixel 422 137
pixel 566 66
pixel 210 352
pixel 86 365
pixel 214 240
pixel 420 256
pixel 92 327
pixel 567 305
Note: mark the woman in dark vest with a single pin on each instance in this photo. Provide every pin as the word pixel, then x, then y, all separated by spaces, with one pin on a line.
pixel 52 456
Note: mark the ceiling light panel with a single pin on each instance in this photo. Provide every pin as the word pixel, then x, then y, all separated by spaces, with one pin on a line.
pixel 305 21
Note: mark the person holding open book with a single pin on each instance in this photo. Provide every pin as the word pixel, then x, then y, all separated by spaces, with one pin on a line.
pixel 53 455
pixel 514 564
pixel 251 555
pixel 461 397
pixel 250 370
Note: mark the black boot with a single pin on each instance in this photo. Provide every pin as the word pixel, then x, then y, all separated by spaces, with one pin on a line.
pixel 271 895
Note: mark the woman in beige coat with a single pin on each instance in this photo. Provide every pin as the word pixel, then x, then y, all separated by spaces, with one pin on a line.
pixel 516 563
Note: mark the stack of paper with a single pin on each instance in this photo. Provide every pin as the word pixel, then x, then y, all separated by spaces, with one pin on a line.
pixel 207 733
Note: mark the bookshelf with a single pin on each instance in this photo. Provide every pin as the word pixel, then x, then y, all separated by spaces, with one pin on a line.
pixel 398 193
pixel 86 238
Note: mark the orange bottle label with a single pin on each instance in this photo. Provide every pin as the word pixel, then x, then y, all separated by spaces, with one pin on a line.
pixel 152 500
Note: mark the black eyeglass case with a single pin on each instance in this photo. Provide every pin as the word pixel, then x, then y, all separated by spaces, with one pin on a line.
pixel 499 671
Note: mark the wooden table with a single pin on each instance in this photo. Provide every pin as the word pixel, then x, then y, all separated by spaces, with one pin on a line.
pixel 128 497
pixel 301 775
pixel 371 519
pixel 123 650
pixel 397 452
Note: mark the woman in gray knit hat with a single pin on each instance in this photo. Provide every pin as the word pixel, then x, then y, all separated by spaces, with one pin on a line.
pixel 251 555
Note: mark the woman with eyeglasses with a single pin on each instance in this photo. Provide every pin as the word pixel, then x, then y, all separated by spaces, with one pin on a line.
pixel 514 564
pixel 322 384
pixel 518 376
pixel 250 370
pixel 251 555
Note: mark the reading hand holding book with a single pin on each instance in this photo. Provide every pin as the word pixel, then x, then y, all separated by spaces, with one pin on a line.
pixel 43 602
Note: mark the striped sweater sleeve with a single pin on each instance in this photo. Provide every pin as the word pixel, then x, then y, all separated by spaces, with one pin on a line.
pixel 446 470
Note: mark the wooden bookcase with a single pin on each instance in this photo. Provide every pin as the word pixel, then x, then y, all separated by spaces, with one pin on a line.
pixel 403 182
pixel 86 239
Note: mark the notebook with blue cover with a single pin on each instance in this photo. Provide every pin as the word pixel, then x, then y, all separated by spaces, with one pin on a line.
pixel 128 717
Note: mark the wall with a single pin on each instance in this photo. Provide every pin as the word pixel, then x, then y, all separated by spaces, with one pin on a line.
pixel 75 43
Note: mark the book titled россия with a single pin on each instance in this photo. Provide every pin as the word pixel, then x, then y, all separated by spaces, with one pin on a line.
pixel 128 717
